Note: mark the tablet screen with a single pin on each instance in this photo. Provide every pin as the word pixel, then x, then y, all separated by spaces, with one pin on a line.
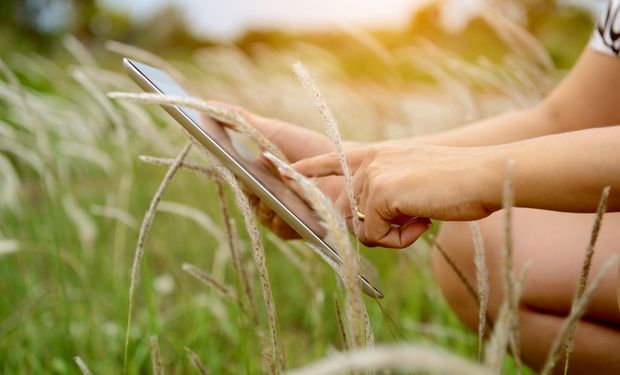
pixel 241 156
pixel 238 148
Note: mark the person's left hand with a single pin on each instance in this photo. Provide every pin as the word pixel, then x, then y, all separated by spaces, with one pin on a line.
pixel 395 184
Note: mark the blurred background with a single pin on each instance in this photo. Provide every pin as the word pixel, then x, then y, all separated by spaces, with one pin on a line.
pixel 73 190
pixel 182 24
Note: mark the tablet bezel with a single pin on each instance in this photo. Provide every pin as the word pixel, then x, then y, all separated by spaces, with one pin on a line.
pixel 139 72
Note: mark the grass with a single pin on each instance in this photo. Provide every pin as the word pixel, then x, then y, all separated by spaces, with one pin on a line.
pixel 66 246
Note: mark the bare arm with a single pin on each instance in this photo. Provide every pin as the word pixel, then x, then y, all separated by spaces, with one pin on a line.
pixel 586 98
pixel 561 172
pixel 566 151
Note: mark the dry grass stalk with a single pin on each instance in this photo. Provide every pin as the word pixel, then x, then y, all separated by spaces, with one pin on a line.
pixel 143 56
pixel 156 356
pixel 301 264
pixel 193 357
pixel 340 321
pixel 224 290
pixel 576 312
pixel 406 357
pixel 496 347
pixel 194 214
pixel 8 246
pixel 185 165
pixel 368 40
pixel 370 336
pixel 291 254
pixel 105 103
pixel 517 38
pixel 231 235
pixel 333 133
pixel 42 140
pixel 144 230
pixel 482 282
pixel 243 202
pixel 455 268
pixel 233 244
pixel 507 270
pixel 121 200
pixel 115 213
pixel 259 257
pixel 83 368
pixel 331 262
pixel 267 356
pixel 585 269
pixel 221 113
pixel 85 227
pixel 338 235
pixel 78 51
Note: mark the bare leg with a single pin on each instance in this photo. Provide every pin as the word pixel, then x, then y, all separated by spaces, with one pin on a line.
pixel 556 243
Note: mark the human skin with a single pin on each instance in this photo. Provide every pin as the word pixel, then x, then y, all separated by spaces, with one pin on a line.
pixel 465 183
pixel 481 151
pixel 564 151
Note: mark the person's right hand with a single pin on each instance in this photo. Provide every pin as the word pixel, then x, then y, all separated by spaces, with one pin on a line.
pixel 296 143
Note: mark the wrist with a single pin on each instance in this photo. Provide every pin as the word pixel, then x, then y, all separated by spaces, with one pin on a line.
pixel 494 169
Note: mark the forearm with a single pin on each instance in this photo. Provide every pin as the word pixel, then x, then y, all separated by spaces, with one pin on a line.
pixel 586 98
pixel 563 172
pixel 506 128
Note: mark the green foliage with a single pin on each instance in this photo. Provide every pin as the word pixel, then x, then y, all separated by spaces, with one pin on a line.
pixel 65 295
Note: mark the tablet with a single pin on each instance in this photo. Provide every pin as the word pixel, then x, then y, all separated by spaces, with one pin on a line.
pixel 232 153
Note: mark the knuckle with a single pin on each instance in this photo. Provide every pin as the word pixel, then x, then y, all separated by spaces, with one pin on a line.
pixel 365 240
pixel 372 151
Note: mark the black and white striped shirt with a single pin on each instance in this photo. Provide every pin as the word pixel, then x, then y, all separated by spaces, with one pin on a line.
pixel 606 38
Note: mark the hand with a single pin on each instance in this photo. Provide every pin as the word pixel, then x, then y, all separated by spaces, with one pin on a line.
pixel 296 143
pixel 396 182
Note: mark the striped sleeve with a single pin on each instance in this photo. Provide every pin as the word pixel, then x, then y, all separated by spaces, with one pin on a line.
pixel 606 38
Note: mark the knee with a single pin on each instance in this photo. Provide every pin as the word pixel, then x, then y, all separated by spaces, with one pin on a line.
pixel 455 245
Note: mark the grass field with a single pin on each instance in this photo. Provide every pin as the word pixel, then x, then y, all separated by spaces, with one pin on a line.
pixel 73 193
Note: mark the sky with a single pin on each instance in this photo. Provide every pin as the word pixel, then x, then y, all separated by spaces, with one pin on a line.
pixel 226 19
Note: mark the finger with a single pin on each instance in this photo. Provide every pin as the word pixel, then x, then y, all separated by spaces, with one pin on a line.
pixel 230 107
pixel 265 214
pixel 241 112
pixel 205 119
pixel 297 189
pixel 401 237
pixel 343 202
pixel 342 205
pixel 319 166
pixel 282 229
pixel 329 164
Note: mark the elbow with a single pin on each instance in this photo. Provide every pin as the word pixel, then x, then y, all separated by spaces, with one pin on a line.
pixel 554 117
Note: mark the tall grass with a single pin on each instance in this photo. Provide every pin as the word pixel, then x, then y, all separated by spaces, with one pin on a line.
pixel 86 146
pixel 333 133
pixel 83 368
pixel 482 283
pixel 156 356
pixel 338 235
pixel 585 270
pixel 144 230
pixel 406 357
